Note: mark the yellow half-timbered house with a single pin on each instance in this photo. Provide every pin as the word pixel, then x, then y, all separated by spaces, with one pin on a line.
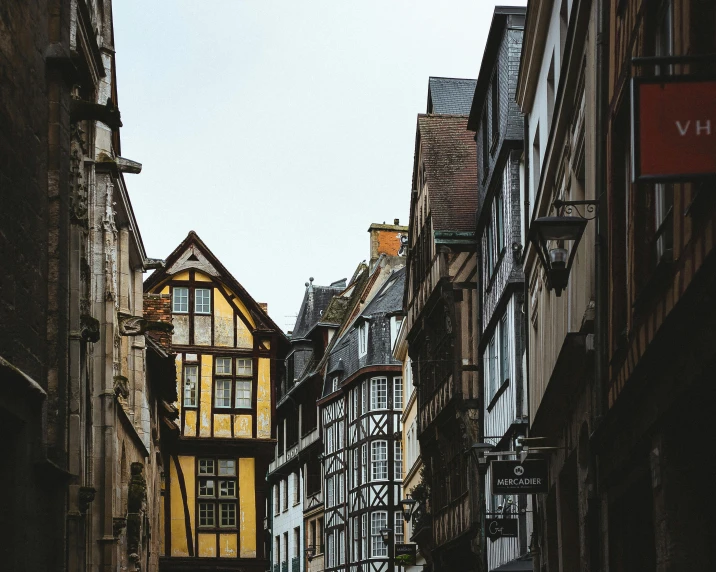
pixel 226 349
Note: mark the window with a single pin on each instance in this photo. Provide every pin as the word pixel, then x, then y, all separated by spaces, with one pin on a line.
pixel 296 487
pixel 397 393
pixel 335 384
pixel 395 324
pixel 180 300
pixel 278 550
pixel 331 550
pixel 497 366
pixel 378 520
pixel 489 251
pixel 217 493
pixel 342 546
pixel 378 393
pixel 191 378
pixel 499 221
pixel 409 377
pixel 202 301
pixel 244 367
pixel 364 463
pixel 222 393
pixel 495 107
pixel 243 394
pixel 223 366
pixel 379 460
pixel 485 147
pixel 363 339
pixel 504 351
pixel 364 393
pixel 285 494
pixel 277 499
pixel 364 533
pixel 398 528
pixel 330 492
pixel 398 464
pixel 491 369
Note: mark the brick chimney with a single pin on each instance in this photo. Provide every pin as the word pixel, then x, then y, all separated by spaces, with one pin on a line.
pixel 158 308
pixel 385 239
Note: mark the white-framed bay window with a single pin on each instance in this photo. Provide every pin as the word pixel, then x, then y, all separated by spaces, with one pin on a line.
pixel 378 521
pixel 378 393
pixel 379 460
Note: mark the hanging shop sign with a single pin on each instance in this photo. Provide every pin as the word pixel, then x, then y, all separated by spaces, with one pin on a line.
pixel 673 128
pixel 407 552
pixel 513 477
pixel 501 528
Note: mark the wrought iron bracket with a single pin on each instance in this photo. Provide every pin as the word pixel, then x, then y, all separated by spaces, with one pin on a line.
pixel 591 208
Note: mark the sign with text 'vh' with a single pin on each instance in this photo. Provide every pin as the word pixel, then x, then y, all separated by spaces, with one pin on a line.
pixel 514 478
pixel 673 128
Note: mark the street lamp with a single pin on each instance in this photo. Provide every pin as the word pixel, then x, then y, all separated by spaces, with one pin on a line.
pixel 550 235
pixel 310 552
pixel 408 506
pixel 385 534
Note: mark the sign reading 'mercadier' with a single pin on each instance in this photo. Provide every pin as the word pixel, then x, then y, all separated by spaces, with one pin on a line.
pixel 513 477
pixel 673 128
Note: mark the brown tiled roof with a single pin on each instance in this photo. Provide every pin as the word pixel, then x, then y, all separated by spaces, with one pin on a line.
pixel 449 155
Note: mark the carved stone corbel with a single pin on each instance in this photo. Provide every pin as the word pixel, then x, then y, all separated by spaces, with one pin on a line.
pixel 121 386
pixel 86 496
pixel 138 326
pixel 89 328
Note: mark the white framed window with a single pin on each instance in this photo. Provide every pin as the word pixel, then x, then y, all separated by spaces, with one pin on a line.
pixel 379 460
pixel 378 521
pixel 378 393
pixel 243 394
pixel 296 482
pixel 180 300
pixel 331 550
pixel 244 366
pixel 222 394
pixel 335 384
pixel 191 380
pixel 364 534
pixel 341 487
pixel 397 393
pixel 363 338
pixel 497 359
pixel 202 301
pixel 395 324
pixel 330 492
pixel 364 393
pixel 398 460
pixel 408 378
pixel 276 499
pixel 227 514
pixel 364 463
pixel 399 528
pixel 227 467
pixel 223 366
pixel 504 351
pixel 207 514
pixel 341 546
pixel 206 466
pixel 356 467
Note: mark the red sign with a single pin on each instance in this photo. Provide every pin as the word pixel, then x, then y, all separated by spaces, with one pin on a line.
pixel 673 128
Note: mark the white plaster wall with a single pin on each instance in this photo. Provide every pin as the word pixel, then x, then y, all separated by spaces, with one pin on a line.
pixel 287 520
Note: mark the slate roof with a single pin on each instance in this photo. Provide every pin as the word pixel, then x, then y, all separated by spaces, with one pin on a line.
pixel 450 96
pixel 315 301
pixel 450 158
pixel 386 303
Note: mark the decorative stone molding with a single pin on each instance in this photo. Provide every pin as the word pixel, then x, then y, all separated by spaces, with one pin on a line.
pixel 121 386
pixel 138 326
pixel 119 523
pixel 86 496
pixel 89 328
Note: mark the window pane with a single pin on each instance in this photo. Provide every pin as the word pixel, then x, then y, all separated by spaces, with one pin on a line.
pixel 244 366
pixel 206 466
pixel 243 394
pixel 398 393
pixel 227 467
pixel 207 516
pixel 180 299
pixel 379 520
pixel 206 488
pixel 227 488
pixel 223 366
pixel 223 393
pixel 379 460
pixel 227 512
pixel 379 393
pixel 191 374
pixel 202 301
pixel 398 465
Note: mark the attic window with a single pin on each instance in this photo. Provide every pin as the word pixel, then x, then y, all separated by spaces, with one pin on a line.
pixel 363 339
pixel 180 300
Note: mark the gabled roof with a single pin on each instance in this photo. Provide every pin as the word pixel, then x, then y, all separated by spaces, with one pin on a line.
pixel 315 301
pixel 450 96
pixel 449 154
pixel 192 253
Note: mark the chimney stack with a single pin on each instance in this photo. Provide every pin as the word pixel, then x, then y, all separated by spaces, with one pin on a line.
pixel 386 239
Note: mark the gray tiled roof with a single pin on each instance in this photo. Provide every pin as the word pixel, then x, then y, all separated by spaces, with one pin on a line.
pixel 450 96
pixel 315 301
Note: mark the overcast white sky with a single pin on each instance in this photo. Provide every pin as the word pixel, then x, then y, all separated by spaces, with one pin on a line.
pixel 280 130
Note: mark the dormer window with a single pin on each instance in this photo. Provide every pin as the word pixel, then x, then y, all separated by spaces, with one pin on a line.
pixel 180 302
pixel 363 339
pixel 335 384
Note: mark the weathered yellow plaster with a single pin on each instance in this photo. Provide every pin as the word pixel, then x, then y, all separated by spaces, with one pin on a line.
pixel 227 546
pixel 222 425
pixel 207 545
pixel 206 396
pixel 162 524
pixel 247 508
pixel 181 329
pixel 223 320
pixel 242 426
pixel 201 276
pixel 244 339
pixel 263 400
pixel 243 309
pixel 267 344
pixel 181 275
pixel 165 290
pixel 178 528
pixel 190 423
pixel 202 330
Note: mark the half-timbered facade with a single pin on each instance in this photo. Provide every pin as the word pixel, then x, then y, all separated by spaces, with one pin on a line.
pixel 360 414
pixel 440 304
pixel 226 349
pixel 499 128
pixel 295 475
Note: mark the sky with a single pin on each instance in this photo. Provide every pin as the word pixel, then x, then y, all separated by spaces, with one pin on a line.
pixel 280 130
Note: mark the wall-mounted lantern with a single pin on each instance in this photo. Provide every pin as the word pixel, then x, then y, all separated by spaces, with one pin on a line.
pixel 385 534
pixel 408 506
pixel 556 239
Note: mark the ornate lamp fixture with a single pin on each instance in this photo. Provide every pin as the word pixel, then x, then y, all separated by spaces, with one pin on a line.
pixel 552 235
pixel 408 506
pixel 310 552
pixel 385 534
